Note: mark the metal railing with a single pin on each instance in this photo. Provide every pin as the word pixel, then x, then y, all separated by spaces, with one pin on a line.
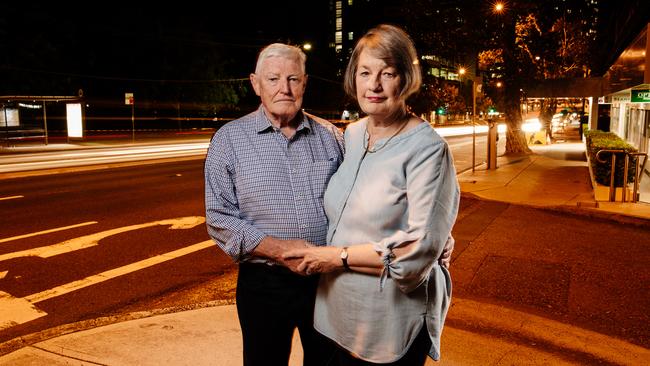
pixel 637 173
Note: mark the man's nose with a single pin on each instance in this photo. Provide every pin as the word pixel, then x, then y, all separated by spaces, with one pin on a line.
pixel 285 88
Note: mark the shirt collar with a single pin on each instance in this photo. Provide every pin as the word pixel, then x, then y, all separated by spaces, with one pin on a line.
pixel 264 125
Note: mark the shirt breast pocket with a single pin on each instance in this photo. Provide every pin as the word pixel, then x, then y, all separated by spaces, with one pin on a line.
pixel 321 172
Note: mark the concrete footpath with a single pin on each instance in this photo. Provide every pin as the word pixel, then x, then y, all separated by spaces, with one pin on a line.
pixel 541 277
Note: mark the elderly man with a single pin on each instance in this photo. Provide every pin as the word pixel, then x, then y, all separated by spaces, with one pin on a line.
pixel 265 175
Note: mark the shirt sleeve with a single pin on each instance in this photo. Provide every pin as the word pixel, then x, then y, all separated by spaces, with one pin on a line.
pixel 433 195
pixel 234 235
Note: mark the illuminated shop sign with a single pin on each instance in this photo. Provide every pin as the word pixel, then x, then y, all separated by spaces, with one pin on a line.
pixel 641 96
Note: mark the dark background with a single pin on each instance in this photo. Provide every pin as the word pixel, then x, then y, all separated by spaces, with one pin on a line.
pixel 177 59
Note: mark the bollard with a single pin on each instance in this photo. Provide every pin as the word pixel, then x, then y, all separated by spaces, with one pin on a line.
pixel 492 145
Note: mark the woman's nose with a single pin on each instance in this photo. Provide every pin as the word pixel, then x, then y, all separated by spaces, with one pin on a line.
pixel 374 84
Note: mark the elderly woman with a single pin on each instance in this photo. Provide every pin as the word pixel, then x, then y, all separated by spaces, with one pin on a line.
pixel 391 206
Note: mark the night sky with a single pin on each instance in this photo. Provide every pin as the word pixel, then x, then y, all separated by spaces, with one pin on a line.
pixel 122 39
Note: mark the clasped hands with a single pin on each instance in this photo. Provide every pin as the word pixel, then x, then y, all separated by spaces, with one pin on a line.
pixel 306 259
pixel 312 259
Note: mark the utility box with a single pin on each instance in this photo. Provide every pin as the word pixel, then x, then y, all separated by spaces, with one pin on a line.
pixel 492 145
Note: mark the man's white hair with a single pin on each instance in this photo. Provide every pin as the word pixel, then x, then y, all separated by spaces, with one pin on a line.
pixel 281 50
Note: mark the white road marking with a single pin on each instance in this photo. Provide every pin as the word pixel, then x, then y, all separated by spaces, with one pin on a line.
pixel 14 311
pixel 93 239
pixel 113 273
pixel 47 231
pixel 10 198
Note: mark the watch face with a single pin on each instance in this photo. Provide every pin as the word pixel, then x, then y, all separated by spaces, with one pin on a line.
pixel 344 254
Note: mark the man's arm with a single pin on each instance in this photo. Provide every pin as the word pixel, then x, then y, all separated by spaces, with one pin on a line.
pixel 226 226
pixel 234 235
pixel 445 257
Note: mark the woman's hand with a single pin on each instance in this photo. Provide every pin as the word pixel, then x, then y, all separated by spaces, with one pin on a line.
pixel 316 259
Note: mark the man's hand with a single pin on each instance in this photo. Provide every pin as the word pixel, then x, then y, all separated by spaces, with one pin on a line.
pixel 445 257
pixel 273 248
pixel 316 259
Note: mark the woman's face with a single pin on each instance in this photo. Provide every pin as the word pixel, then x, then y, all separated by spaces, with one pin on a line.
pixel 378 86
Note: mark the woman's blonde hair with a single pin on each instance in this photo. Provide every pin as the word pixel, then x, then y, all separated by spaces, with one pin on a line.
pixel 395 47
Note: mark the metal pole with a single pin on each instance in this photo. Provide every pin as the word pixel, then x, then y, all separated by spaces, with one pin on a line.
pixel 4 108
pixel 612 185
pixel 45 121
pixel 473 123
pixel 638 173
pixel 133 122
pixel 626 166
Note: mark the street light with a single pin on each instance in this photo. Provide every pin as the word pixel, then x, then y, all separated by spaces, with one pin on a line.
pixel 306 46
pixel 498 7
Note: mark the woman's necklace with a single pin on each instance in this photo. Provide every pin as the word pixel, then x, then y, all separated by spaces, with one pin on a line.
pixel 366 142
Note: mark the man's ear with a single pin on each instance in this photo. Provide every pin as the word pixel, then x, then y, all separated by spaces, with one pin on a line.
pixel 255 81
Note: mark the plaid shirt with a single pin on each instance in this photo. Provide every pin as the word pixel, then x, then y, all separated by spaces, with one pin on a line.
pixel 259 183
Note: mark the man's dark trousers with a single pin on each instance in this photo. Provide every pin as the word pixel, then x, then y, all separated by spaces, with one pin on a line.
pixel 271 302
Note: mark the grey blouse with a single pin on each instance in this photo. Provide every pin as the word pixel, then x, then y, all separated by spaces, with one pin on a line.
pixel 404 191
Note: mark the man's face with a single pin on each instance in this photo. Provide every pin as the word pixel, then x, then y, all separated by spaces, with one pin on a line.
pixel 280 83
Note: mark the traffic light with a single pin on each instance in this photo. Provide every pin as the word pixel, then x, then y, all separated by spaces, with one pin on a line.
pixel 440 111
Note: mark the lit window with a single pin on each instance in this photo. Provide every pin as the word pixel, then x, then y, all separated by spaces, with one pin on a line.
pixel 338 37
pixel 350 36
pixel 350 2
pixel 339 5
pixel 339 13
pixel 339 24
pixel 338 48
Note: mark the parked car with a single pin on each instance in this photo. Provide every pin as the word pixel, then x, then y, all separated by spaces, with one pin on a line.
pixel 558 122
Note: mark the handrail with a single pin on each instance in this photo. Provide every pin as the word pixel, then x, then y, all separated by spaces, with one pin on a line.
pixel 612 187
pixel 638 172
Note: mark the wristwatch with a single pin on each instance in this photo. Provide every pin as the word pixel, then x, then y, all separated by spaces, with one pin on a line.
pixel 344 258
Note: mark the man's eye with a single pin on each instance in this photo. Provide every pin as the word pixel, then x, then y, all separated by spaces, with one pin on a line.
pixel 273 79
pixel 364 73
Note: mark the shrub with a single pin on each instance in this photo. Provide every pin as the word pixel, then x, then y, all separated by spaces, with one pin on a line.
pixel 597 140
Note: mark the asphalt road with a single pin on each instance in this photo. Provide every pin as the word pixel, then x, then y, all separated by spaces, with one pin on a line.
pixel 113 222
pixel 87 244
pixel 90 244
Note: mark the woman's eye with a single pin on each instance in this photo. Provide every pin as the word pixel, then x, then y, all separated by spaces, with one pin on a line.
pixel 389 75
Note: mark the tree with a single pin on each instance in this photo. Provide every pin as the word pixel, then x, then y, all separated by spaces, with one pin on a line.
pixel 556 48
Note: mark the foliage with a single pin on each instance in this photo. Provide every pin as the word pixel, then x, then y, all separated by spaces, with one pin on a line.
pixel 598 140
pixel 435 93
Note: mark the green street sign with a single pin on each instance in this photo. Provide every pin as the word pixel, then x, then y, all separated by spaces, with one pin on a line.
pixel 641 96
